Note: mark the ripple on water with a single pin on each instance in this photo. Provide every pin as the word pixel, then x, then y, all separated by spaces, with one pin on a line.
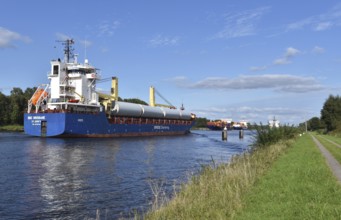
pixel 72 178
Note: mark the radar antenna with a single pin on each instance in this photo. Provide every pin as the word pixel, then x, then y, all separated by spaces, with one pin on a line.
pixel 68 49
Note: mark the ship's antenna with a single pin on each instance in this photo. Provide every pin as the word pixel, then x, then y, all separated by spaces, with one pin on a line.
pixel 85 49
pixel 182 105
pixel 68 49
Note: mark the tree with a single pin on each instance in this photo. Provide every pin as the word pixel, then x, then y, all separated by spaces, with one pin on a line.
pixel 314 124
pixel 17 105
pixel 201 122
pixel 29 92
pixel 331 112
pixel 4 109
pixel 136 101
pixel 12 107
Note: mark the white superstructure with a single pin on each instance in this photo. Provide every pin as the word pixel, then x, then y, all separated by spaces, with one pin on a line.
pixel 72 85
pixel 274 123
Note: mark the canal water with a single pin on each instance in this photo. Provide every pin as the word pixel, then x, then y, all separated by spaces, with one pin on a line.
pixel 43 178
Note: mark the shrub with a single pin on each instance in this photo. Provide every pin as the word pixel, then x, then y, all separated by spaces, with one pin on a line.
pixel 266 136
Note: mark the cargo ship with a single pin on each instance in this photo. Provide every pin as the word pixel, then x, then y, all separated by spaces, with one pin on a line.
pixel 226 123
pixel 70 106
pixel 219 125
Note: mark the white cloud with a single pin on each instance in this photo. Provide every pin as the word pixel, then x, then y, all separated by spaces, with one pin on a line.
pixel 254 114
pixel 282 61
pixel 160 40
pixel 108 28
pixel 323 26
pixel 319 22
pixel 179 81
pixel 300 24
pixel 318 50
pixel 276 82
pixel 286 59
pixel 7 37
pixel 241 24
pixel 258 68
pixel 291 52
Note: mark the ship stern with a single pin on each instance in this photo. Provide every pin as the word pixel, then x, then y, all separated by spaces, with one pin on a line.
pixel 44 124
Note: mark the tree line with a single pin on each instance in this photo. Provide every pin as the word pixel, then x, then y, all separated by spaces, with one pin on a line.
pixel 330 118
pixel 13 106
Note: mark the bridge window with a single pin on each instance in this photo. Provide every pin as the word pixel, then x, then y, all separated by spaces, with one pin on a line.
pixel 55 69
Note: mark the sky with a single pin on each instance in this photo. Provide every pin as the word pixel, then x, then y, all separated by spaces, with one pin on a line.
pixel 239 60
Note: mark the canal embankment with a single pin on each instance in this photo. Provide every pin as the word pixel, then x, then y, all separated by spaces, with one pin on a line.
pixel 12 128
pixel 299 185
pixel 286 180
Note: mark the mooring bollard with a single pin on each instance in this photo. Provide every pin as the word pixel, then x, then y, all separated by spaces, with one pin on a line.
pixel 224 134
pixel 241 134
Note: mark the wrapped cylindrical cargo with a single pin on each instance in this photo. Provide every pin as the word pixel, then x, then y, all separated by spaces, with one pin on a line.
pixel 172 113
pixel 185 115
pixel 126 109
pixel 152 112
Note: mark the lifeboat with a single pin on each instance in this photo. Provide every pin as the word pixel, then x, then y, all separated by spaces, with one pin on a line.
pixel 37 95
pixel 74 100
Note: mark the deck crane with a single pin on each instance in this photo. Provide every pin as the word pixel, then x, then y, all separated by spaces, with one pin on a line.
pixel 152 103
pixel 108 99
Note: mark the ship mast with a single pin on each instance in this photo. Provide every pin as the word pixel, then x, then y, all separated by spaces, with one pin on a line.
pixel 68 50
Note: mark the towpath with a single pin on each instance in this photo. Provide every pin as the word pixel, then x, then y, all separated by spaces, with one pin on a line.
pixel 332 162
pixel 336 144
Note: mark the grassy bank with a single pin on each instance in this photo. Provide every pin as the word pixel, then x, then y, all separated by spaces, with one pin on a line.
pixel 287 180
pixel 218 193
pixel 300 185
pixel 334 138
pixel 12 128
pixel 334 150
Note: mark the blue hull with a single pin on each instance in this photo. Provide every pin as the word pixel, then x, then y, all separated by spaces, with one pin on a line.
pixel 93 125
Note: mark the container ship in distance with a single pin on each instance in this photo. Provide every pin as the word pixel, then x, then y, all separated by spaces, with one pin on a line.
pixel 70 106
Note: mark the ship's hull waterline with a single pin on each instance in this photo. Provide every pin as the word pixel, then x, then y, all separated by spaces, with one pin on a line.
pixel 97 125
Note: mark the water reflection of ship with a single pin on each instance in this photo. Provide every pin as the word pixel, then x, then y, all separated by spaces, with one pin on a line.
pixel 71 172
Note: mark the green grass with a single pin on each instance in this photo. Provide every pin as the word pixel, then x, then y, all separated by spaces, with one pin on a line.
pixel 334 138
pixel 300 185
pixel 282 181
pixel 334 150
pixel 17 128
pixel 218 192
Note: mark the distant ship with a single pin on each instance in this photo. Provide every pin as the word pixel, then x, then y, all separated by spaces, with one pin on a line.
pixel 221 124
pixel 70 106
pixel 240 125
pixel 274 123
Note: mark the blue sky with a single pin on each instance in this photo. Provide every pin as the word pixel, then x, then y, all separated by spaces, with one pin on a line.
pixel 245 60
